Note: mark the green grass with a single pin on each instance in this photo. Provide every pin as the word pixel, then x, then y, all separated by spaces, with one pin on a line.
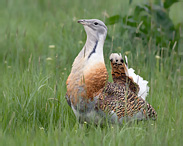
pixel 33 109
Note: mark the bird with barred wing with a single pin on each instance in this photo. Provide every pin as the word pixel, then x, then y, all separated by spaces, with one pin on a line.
pixel 92 97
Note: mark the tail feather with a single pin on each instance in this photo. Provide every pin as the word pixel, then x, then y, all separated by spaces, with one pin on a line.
pixel 144 88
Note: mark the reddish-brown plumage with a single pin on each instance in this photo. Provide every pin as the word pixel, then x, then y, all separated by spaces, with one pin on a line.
pixel 95 79
pixel 119 74
pixel 90 81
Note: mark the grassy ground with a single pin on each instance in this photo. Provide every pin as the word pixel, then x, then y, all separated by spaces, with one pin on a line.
pixel 38 43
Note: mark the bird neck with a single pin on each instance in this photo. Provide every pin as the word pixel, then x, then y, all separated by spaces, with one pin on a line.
pixel 93 48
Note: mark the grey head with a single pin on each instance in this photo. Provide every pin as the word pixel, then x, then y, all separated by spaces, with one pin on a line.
pixel 94 28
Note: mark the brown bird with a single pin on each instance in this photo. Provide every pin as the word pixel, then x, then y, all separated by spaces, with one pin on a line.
pixel 92 97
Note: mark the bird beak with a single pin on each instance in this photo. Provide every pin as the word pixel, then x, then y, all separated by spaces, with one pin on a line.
pixel 83 22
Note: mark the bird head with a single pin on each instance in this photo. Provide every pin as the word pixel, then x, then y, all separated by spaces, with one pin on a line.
pixel 94 28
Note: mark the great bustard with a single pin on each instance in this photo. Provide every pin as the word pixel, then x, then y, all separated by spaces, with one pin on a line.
pixel 89 93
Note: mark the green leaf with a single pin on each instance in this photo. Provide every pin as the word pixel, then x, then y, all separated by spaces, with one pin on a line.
pixel 168 3
pixel 176 13
pixel 113 19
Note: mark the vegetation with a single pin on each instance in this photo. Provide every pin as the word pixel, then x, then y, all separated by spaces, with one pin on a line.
pixel 39 41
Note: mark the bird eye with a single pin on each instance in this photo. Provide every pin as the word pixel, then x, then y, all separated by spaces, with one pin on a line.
pixel 96 23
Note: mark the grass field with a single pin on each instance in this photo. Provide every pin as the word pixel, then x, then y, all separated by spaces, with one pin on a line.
pixel 39 40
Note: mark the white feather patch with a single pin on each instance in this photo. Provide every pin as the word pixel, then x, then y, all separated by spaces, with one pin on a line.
pixel 144 88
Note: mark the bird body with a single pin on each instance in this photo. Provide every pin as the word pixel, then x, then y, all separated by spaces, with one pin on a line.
pixel 89 93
